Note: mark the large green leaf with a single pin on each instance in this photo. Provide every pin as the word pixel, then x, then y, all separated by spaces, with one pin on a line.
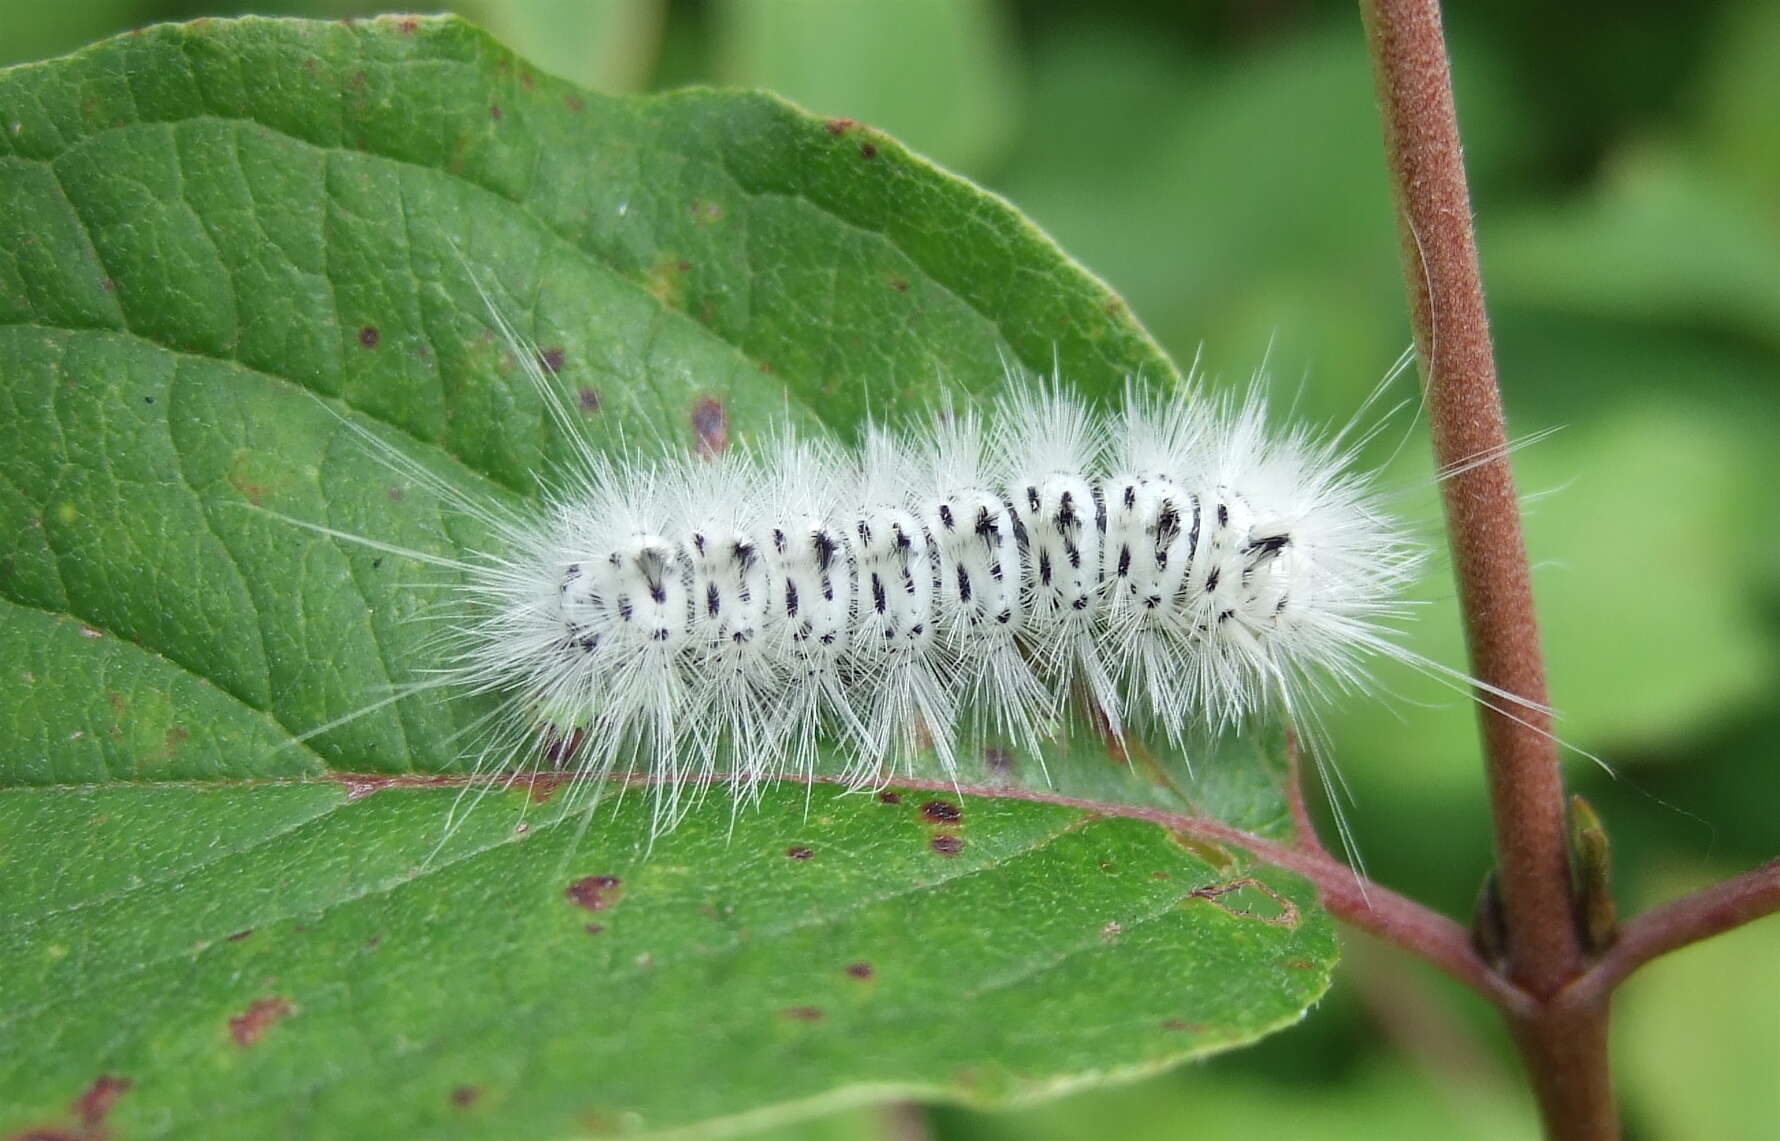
pixel 216 240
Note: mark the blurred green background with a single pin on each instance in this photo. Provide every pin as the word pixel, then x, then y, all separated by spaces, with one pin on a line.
pixel 1219 164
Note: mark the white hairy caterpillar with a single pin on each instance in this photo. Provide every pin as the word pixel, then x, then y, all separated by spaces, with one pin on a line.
pixel 1172 564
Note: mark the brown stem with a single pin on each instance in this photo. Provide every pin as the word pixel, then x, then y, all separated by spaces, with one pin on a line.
pixel 1707 912
pixel 1566 1056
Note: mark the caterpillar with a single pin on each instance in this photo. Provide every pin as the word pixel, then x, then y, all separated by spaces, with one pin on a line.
pixel 1173 564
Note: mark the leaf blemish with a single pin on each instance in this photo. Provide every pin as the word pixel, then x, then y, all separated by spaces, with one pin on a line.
pixel 839 126
pixel 947 845
pixel 463 1097
pixel 1257 900
pixel 368 336
pixel 552 358
pixel 803 1013
pixel 240 935
pixel 1210 853
pixel 93 1105
pixel 587 399
pixel 595 893
pixel 860 970
pixel 867 151
pixel 710 427
pixel 799 853
pixel 248 1027
pixel 890 798
pixel 942 812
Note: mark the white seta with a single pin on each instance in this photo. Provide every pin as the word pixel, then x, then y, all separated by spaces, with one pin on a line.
pixel 1174 564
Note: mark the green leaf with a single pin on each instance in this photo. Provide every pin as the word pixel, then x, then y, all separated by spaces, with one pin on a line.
pixel 218 238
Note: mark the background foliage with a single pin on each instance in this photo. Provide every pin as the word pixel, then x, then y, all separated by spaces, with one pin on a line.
pixel 1220 167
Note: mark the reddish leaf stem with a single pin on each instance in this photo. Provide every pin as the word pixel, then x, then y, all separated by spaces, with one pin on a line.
pixel 1707 912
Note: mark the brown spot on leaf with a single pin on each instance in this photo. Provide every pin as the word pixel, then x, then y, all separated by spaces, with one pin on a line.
pixel 799 853
pixel 96 1101
pixel 942 812
pixel 1182 1026
pixel 706 211
pixel 947 845
pixel 89 632
pixel 587 399
pixel 465 1096
pixel 1111 932
pixel 803 1013
pixel 408 24
pixel 839 126
pixel 495 112
pixel 170 742
pixel 1204 850
pixel 860 970
pixel 369 336
pixel 558 749
pixel 573 103
pixel 108 285
pixel 890 798
pixel 527 80
pixel 900 284
pixel 1265 904
pixel 868 151
pixel 395 493
pixel 248 1027
pixel 1300 965
pixel 1158 875
pixel 539 786
pixel 594 928
pixel 710 427
pixel 240 935
pixel 666 280
pixel 552 358
pixel 595 893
